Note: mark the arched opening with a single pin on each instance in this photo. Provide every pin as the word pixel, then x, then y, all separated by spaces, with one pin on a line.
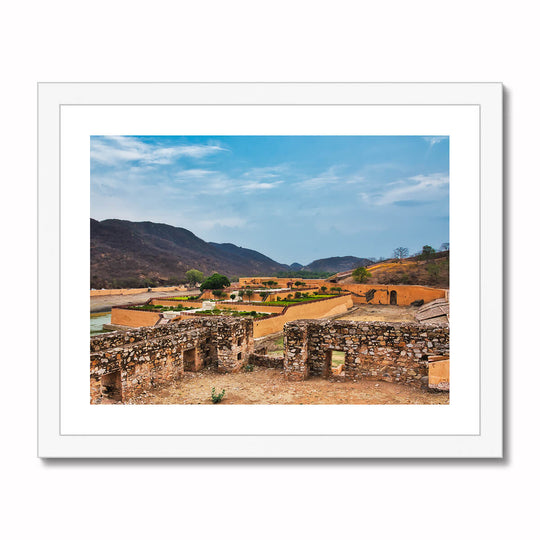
pixel 393 298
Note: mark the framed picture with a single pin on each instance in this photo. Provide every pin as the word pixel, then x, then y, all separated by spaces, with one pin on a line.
pixel 269 270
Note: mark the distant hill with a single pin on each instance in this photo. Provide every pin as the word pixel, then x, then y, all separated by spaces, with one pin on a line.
pixel 295 266
pixel 125 253
pixel 337 264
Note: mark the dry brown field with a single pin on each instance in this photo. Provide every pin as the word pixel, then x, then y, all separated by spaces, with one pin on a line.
pixel 265 386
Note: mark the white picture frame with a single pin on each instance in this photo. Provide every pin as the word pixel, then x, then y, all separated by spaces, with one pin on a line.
pixel 470 113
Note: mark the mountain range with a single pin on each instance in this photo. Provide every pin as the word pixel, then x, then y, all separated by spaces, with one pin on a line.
pixel 124 253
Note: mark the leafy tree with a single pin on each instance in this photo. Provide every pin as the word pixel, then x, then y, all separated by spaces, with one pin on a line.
pixel 361 275
pixel 445 246
pixel 194 276
pixel 233 296
pixel 401 253
pixel 215 281
pixel 323 289
pixel 427 252
pixel 248 293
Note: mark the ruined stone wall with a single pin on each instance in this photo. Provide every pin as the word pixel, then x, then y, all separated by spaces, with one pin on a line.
pixel 264 360
pixel 124 364
pixel 392 352
pixel 233 339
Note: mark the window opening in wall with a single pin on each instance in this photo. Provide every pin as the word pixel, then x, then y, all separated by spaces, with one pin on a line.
pixel 393 298
pixel 336 362
pixel 111 386
pixel 239 357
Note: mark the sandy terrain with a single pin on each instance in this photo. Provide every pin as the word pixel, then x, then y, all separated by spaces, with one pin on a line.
pixel 104 303
pixel 268 386
pixel 375 312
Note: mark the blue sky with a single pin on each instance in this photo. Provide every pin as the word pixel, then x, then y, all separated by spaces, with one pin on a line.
pixel 293 198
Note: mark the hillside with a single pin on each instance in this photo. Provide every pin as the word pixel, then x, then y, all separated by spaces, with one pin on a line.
pixel 336 264
pixel 434 272
pixel 125 253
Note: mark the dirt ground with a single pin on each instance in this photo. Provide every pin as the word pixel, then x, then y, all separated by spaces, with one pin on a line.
pixel 268 386
pixel 104 303
pixel 375 312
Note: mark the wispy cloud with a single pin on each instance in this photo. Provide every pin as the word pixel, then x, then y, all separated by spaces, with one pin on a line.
pixel 264 173
pixel 410 191
pixel 230 222
pixel 119 150
pixel 434 140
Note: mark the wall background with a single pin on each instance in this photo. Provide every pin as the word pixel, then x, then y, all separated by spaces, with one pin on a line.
pixel 419 40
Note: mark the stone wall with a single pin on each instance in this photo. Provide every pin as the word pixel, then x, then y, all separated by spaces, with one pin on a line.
pixel 124 364
pixel 264 360
pixel 392 352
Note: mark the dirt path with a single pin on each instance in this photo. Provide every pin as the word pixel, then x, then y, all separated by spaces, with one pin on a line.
pixel 268 386
pixel 104 303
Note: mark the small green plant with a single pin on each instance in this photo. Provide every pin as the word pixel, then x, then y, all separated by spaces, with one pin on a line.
pixel 248 367
pixel 216 398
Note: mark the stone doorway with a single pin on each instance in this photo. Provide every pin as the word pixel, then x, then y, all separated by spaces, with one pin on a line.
pixel 393 298
pixel 190 360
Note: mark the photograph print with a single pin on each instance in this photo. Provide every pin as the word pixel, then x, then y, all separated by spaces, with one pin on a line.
pixel 289 270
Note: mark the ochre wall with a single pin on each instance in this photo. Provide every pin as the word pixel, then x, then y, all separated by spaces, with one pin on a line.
pixel 405 293
pixel 133 317
pixel 261 327
pixel 311 310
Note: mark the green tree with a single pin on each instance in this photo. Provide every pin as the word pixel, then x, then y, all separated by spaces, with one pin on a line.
pixel 248 293
pixel 215 281
pixel 194 276
pixel 361 275
pixel 427 252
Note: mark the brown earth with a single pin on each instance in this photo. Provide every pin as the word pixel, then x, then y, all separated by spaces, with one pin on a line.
pixel 386 313
pixel 434 272
pixel 269 386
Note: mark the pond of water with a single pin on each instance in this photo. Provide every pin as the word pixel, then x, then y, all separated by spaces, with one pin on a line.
pixel 97 320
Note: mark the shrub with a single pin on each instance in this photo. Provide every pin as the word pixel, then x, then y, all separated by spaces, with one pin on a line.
pixel 216 398
pixel 361 275
pixel 298 294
